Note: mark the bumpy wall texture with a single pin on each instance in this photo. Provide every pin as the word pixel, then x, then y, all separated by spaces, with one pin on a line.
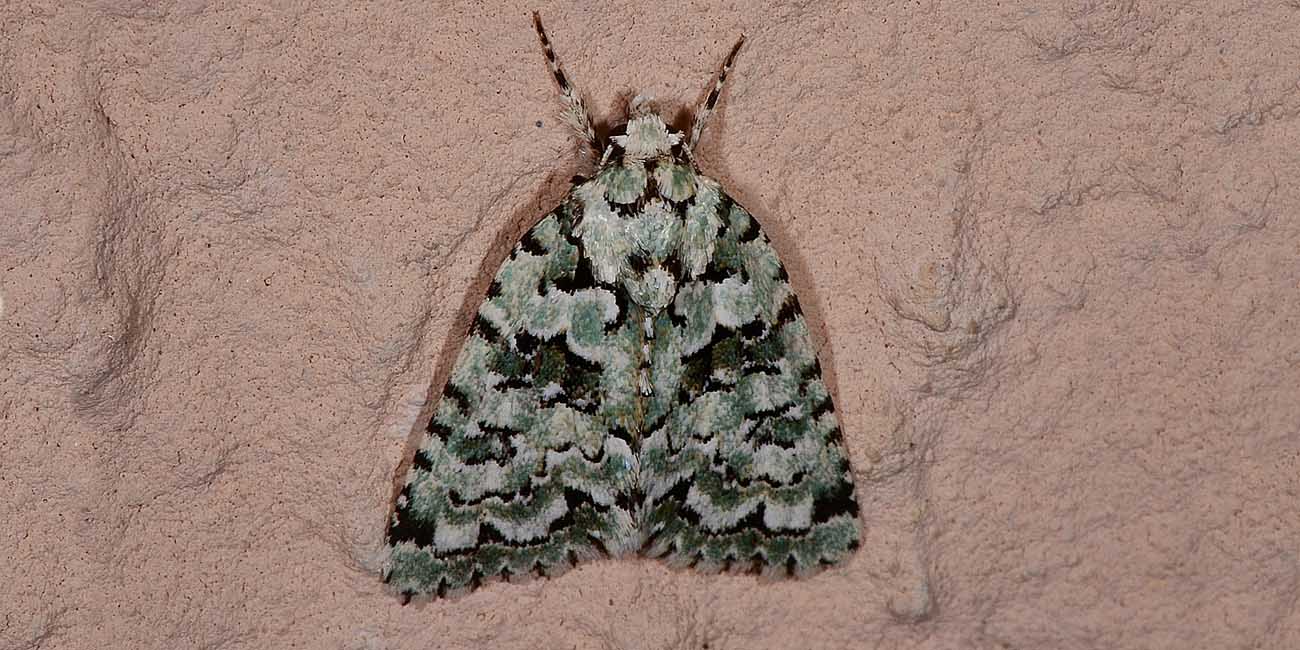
pixel 1048 253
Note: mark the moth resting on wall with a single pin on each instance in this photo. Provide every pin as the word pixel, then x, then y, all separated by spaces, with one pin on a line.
pixel 639 380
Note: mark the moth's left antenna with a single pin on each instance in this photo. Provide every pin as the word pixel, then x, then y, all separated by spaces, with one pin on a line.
pixel 575 113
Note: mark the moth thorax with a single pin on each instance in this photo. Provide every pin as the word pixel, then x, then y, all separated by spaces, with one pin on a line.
pixel 647 136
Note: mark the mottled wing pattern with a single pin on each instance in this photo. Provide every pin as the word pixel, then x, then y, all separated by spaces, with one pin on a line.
pixel 742 467
pixel 526 466
pixel 638 379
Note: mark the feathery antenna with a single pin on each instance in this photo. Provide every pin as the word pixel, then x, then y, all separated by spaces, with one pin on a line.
pixel 575 112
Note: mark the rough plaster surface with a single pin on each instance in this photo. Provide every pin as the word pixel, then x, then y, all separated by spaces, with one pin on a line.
pixel 1051 252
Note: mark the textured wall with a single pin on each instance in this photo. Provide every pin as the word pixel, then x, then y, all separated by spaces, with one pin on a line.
pixel 1051 253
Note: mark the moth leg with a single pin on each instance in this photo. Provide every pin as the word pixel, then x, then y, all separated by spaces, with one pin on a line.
pixel 605 156
pixel 575 112
pixel 702 115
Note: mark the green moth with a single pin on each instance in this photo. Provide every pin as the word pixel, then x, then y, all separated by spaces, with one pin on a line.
pixel 639 380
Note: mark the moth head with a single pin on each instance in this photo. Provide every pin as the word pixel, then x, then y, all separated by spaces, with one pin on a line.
pixel 646 135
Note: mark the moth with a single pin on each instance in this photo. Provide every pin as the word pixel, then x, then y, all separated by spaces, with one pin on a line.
pixel 639 379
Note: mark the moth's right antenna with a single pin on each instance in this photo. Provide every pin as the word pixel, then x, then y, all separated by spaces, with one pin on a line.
pixel 575 113
pixel 702 115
